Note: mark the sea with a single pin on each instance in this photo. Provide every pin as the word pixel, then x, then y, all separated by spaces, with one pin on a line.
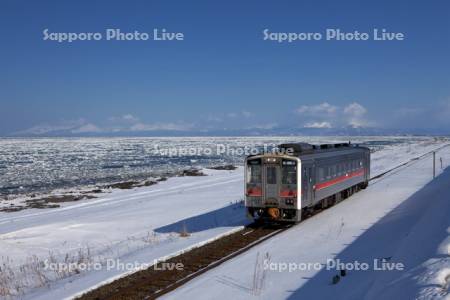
pixel 40 165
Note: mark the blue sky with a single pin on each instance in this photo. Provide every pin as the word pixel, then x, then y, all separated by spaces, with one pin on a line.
pixel 223 74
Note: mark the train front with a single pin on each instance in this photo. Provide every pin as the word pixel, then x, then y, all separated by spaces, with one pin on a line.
pixel 272 187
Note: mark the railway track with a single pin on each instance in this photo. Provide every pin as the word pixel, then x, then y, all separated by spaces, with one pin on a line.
pixel 154 282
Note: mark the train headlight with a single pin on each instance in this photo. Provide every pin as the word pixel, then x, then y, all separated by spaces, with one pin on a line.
pixel 260 212
pixel 289 201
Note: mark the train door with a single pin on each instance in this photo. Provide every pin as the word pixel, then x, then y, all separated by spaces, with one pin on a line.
pixel 271 181
pixel 306 184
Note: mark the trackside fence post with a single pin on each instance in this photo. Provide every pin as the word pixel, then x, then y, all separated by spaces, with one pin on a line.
pixel 434 164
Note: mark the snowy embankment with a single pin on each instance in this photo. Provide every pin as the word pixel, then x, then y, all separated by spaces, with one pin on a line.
pixel 138 225
pixel 400 221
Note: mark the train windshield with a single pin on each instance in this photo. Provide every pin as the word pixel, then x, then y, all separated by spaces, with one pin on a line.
pixel 254 171
pixel 271 175
pixel 289 172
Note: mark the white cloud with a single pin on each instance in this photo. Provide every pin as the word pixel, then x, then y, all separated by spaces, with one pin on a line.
pixel 323 108
pixel 127 118
pixel 214 119
pixel 356 115
pixel 323 115
pixel 129 122
pixel 130 118
pixel 247 114
pixel 318 125
pixel 355 109
pixel 161 126
pixel 244 114
pixel 263 126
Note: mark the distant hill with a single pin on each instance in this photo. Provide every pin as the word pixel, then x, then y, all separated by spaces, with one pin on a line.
pixel 92 131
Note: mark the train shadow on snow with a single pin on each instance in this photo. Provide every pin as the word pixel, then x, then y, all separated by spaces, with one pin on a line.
pixel 228 216
pixel 393 235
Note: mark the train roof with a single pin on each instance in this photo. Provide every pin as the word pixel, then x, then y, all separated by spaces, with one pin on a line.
pixel 298 149
pixel 306 149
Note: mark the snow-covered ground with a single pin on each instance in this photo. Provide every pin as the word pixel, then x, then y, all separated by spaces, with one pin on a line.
pixel 143 224
pixel 400 220
pixel 139 225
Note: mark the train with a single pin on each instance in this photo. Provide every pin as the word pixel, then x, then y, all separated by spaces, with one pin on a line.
pixel 300 178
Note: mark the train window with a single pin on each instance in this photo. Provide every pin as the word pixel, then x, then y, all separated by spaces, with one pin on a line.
pixel 321 174
pixel 289 174
pixel 271 175
pixel 254 174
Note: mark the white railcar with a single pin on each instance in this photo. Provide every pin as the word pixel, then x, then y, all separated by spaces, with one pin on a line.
pixel 287 185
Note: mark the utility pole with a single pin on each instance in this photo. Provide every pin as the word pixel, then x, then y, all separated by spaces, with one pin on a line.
pixel 434 164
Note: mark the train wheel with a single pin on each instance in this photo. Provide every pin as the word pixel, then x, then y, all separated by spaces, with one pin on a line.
pixel 338 197
pixel 364 185
pixel 324 203
pixel 344 195
pixel 349 192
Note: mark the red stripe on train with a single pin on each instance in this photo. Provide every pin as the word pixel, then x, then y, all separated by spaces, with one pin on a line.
pixel 288 193
pixel 255 192
pixel 339 179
